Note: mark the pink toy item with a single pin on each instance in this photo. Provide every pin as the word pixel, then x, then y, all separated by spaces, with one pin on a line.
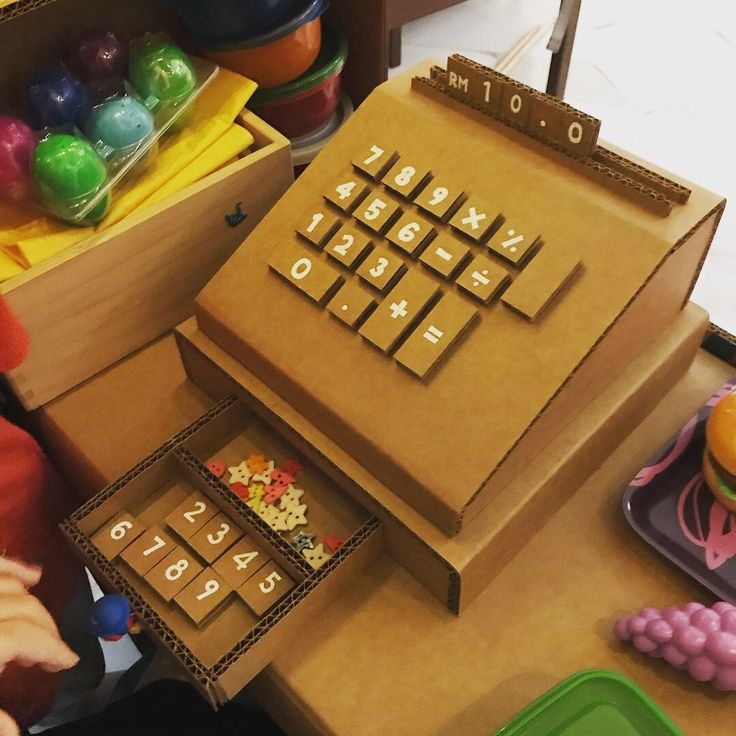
pixel 694 638
pixel 16 146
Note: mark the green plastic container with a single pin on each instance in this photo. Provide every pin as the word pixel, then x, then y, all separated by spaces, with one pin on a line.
pixel 592 703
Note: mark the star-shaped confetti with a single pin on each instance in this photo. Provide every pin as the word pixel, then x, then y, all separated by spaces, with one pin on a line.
pixel 274 493
pixel 256 491
pixel 257 462
pixel 281 478
pixel 274 518
pixel 292 497
pixel 296 516
pixel 303 540
pixel 264 475
pixel 316 557
pixel 240 473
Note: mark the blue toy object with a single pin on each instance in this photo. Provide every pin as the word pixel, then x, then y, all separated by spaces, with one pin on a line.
pixel 112 617
pixel 58 98
pixel 119 126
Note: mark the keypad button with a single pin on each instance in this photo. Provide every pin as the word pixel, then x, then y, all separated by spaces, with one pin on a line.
pixel 436 334
pixel 483 279
pixel 410 233
pixel 203 596
pixel 438 198
pixel 266 588
pixel 348 245
pixel 405 177
pixel 173 573
pixel 537 286
pixel 317 226
pixel 347 192
pixel 445 255
pixel 117 534
pixel 513 243
pixel 377 212
pixel 351 304
pixel 191 515
pixel 305 270
pixel 474 219
pixel 240 562
pixel 215 537
pixel 381 268
pixel 148 550
pixel 400 309
pixel 375 160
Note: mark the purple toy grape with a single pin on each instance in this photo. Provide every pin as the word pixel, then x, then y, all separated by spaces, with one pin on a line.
pixel 16 146
pixel 99 55
pixel 699 639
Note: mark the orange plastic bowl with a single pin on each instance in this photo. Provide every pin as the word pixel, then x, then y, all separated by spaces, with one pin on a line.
pixel 277 62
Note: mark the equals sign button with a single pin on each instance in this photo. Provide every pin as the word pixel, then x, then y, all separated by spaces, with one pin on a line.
pixel 433 335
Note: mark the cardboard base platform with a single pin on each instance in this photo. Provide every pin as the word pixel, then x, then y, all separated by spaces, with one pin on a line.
pixel 457 569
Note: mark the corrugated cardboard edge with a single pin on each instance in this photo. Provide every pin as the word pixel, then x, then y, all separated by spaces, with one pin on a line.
pixel 721 343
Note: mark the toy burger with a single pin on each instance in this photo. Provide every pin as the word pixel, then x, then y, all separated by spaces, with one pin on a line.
pixel 719 463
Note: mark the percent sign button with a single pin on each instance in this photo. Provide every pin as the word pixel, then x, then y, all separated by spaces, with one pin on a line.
pixel 513 243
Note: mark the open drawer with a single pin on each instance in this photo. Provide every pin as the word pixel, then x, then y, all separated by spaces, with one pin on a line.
pixel 218 581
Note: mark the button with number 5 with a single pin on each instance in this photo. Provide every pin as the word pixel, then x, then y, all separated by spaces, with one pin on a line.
pixel 268 586
pixel 377 211
pixel 347 191
pixel 215 537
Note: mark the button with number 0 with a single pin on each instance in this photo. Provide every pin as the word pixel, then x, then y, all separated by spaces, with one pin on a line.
pixel 117 534
pixel 305 270
pixel 203 595
pixel 381 268
pixel 265 588
pixel 173 573
pixel 377 211
pixel 347 192
pixel 215 537
pixel 374 160
pixel 410 233
pixel 348 245
pixel 405 177
pixel 317 225
pixel 148 550
pixel 191 515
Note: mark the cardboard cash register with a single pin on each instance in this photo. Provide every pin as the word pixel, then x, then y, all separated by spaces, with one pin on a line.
pixel 450 319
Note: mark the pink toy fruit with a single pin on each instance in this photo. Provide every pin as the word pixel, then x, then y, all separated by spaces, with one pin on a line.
pixel 16 146
pixel 694 638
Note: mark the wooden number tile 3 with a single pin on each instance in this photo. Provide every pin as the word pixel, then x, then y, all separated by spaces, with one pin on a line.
pixel 215 537
pixel 203 595
pixel 173 573
pixel 241 561
pixel 148 550
pixel 117 534
pixel 191 515
pixel 381 268
pixel 264 589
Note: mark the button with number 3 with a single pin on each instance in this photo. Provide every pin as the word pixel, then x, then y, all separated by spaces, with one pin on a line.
pixel 215 537
pixel 381 268
pixel 347 192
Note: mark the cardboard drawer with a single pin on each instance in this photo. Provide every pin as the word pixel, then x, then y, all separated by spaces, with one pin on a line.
pixel 95 303
pixel 222 654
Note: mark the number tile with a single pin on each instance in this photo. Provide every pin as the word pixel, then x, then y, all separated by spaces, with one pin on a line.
pixel 351 304
pixel 173 573
pixel 148 550
pixel 445 255
pixel 215 537
pixel 117 534
pixel 203 596
pixel 381 268
pixel 307 271
pixel 191 515
pixel 374 160
pixel 405 177
pixel 483 279
pixel 513 243
pixel 317 225
pixel 347 192
pixel 348 245
pixel 241 561
pixel 439 199
pixel 435 335
pixel 266 588
pixel 410 233
pixel 377 211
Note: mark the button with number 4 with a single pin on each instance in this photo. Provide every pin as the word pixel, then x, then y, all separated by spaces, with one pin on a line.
pixel 381 268
pixel 317 225
pixel 348 191
pixel 241 561
pixel 405 177
pixel 375 160
pixel 377 211
pixel 348 245
pixel 268 586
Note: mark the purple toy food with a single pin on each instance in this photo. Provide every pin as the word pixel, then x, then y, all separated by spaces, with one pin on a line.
pixel 99 54
pixel 694 638
pixel 16 145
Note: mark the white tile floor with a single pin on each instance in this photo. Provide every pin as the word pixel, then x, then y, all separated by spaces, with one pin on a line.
pixel 661 74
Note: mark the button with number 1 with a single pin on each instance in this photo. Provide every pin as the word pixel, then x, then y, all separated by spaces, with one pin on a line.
pixel 317 225
pixel 347 191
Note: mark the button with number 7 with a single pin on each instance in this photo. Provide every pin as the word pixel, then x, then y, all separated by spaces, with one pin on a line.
pixel 264 589
pixel 346 192
pixel 148 550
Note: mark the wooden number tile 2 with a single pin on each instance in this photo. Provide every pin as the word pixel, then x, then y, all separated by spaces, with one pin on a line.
pixel 117 534
pixel 215 537
pixel 348 245
pixel 173 573
pixel 148 550
pixel 241 561
pixel 264 589
pixel 191 515
pixel 203 595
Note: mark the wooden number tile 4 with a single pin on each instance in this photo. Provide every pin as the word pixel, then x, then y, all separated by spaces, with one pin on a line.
pixel 348 245
pixel 405 177
pixel 117 534
pixel 400 309
pixel 241 561
pixel 436 334
pixel 410 233
pixel 191 515
pixel 483 279
pixel 381 268
pixel 445 255
pixel 439 199
pixel 537 286
pixel 148 550
pixel 347 192
pixel 513 243
pixel 266 588
pixel 317 225
pixel 201 598
pixel 351 304
pixel 375 160
pixel 215 537
pixel 310 274
pixel 474 219
pixel 173 573
pixel 377 211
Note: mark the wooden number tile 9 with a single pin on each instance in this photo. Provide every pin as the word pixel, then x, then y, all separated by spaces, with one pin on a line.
pixel 191 515
pixel 348 245
pixel 410 233
pixel 241 561
pixel 266 588
pixel 377 211
pixel 148 550
pixel 173 573
pixel 317 225
pixel 305 270
pixel 201 598
pixel 117 534
pixel 351 304
pixel 405 177
pixel 215 537
pixel 514 243
pixel 347 192
pixel 375 160
pixel 439 199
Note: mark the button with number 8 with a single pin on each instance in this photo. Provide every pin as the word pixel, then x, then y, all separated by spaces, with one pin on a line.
pixel 173 573
pixel 405 178
pixel 347 192
pixel 264 589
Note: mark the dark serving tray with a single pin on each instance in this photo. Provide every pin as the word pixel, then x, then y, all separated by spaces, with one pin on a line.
pixel 669 505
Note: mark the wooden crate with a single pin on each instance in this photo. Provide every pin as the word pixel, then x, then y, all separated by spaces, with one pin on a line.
pixel 95 303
